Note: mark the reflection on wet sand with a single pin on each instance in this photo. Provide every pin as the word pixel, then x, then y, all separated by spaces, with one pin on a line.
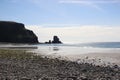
pixel 56 49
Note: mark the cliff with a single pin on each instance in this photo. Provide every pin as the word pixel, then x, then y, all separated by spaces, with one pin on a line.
pixel 14 32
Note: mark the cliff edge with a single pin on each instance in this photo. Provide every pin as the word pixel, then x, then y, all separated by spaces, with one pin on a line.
pixel 13 32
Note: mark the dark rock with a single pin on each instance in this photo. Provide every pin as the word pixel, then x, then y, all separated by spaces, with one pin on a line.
pixel 48 42
pixel 14 32
pixel 56 40
pixel 25 78
pixel 72 78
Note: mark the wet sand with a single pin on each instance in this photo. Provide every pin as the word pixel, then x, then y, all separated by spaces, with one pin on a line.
pixel 22 65
pixel 97 58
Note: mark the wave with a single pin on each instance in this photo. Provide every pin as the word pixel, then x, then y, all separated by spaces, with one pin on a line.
pixel 88 45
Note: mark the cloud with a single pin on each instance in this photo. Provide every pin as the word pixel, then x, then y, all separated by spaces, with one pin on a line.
pixel 91 3
pixel 31 1
pixel 77 34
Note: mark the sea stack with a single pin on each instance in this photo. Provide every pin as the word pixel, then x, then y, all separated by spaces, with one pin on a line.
pixel 13 32
pixel 56 40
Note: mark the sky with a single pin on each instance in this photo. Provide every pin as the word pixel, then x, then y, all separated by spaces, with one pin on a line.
pixel 73 21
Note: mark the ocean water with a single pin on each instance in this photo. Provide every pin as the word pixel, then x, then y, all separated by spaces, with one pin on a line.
pixel 97 53
pixel 100 52
pixel 69 49
pixel 82 48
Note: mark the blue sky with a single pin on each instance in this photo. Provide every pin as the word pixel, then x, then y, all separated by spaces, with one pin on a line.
pixel 72 20
pixel 82 12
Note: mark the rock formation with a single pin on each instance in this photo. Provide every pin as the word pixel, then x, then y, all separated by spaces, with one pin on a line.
pixel 13 32
pixel 56 40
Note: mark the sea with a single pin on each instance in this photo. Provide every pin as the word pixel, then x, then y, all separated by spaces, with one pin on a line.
pixel 80 48
pixel 97 52
pixel 68 49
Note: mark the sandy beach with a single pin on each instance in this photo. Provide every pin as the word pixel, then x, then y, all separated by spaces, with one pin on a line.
pixel 97 56
pixel 22 65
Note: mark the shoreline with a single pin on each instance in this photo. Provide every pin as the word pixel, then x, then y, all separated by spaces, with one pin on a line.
pixel 92 55
pixel 97 58
pixel 19 65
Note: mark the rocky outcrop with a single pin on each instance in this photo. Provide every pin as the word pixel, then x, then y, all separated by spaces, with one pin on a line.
pixel 56 40
pixel 14 32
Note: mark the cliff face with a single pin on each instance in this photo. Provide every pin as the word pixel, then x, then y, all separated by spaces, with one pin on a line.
pixel 16 33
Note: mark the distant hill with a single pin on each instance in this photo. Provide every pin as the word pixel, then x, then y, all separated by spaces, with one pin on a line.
pixel 13 32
